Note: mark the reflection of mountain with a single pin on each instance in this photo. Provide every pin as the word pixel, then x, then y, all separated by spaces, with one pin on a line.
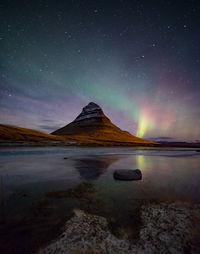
pixel 92 168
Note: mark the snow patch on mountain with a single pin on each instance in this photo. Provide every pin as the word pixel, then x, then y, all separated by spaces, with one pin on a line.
pixel 89 111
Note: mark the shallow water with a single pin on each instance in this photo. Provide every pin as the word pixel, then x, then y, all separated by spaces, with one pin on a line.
pixel 26 174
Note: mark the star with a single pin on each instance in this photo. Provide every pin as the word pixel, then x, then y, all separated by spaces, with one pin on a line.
pixel 54 47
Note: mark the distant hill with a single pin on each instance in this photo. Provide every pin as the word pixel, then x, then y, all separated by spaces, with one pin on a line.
pixel 91 125
pixel 172 142
pixel 13 133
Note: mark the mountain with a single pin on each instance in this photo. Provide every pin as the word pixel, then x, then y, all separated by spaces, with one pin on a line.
pixel 13 133
pixel 93 126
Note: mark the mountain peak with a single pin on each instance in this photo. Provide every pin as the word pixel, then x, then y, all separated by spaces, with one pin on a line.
pixel 90 111
pixel 92 104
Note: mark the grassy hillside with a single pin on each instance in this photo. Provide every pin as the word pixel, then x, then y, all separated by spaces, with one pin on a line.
pixel 12 133
pixel 92 136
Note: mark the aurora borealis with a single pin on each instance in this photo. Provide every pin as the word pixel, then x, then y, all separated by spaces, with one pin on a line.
pixel 139 60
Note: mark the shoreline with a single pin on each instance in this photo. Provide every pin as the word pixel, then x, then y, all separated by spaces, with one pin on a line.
pixel 7 144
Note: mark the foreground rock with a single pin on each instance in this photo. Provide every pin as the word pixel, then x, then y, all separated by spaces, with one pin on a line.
pixel 167 228
pixel 128 174
pixel 170 228
pixel 85 232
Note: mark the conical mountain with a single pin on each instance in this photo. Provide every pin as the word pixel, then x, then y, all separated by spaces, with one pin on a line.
pixel 93 126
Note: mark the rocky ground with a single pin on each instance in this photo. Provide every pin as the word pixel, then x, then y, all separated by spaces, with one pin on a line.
pixel 166 228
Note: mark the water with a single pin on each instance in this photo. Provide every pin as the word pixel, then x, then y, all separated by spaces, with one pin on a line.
pixel 26 174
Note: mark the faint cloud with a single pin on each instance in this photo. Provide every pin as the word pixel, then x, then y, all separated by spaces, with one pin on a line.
pixel 48 121
pixel 48 128
pixel 161 138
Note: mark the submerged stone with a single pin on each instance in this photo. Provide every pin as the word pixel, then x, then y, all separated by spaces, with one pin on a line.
pixel 127 174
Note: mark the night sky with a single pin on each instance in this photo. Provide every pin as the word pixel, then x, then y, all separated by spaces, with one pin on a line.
pixel 139 60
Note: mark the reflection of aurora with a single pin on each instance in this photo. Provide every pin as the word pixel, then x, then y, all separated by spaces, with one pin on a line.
pixel 140 161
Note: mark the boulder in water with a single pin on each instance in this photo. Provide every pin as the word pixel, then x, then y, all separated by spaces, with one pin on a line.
pixel 127 174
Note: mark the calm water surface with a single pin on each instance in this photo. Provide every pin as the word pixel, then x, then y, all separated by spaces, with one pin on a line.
pixel 26 174
pixel 30 172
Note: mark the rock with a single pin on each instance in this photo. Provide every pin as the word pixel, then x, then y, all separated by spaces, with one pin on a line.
pixel 87 233
pixel 128 174
pixel 65 158
pixel 170 228
pixel 166 228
